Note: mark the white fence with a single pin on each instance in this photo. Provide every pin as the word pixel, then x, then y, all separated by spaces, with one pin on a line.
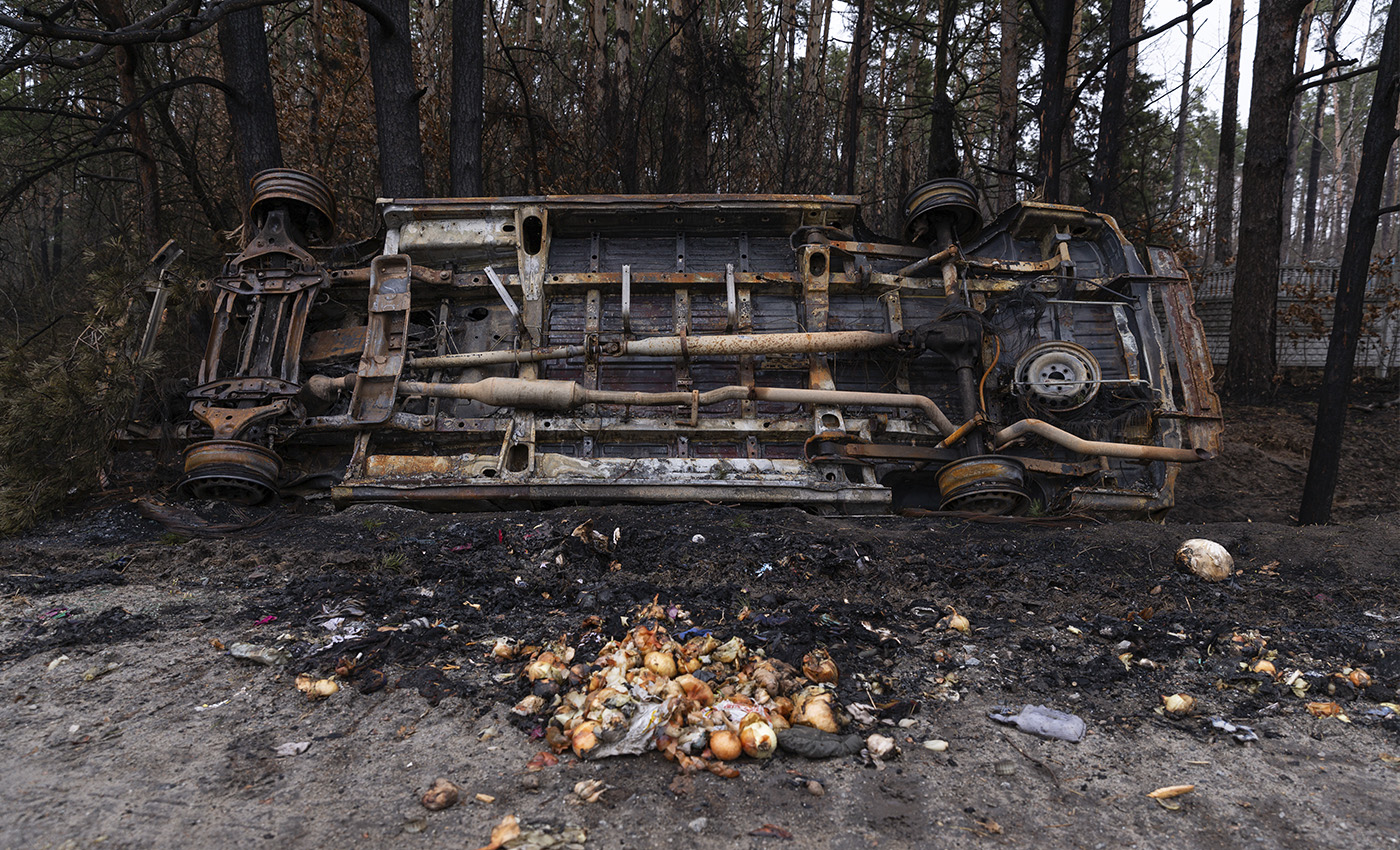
pixel 1306 296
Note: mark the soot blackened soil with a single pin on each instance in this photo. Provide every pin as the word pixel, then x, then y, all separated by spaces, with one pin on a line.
pixel 129 724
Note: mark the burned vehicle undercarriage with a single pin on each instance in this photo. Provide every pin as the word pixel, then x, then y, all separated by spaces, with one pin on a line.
pixel 743 349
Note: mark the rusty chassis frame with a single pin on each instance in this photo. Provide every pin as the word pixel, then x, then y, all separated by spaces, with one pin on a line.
pixel 751 349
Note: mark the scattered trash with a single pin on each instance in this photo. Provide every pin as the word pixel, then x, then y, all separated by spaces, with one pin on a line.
pixel 442 795
pixel 93 673
pixel 699 538
pixel 763 569
pixel 262 621
pixel 317 688
pixel 768 830
pixel 293 748
pixel 1045 722
pixel 265 655
pixel 815 744
pixel 1178 704
pixel 484 798
pixel 53 665
pixel 1004 767
pixel 1242 734
pixel 1206 558
pixel 937 745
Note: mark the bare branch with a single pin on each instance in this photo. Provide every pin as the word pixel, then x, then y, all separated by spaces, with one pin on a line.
pixel 1152 33
pixel 106 129
pixel 1335 63
pixel 153 29
pixel 1337 79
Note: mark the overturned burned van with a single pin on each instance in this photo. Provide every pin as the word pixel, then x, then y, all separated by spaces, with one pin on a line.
pixel 755 349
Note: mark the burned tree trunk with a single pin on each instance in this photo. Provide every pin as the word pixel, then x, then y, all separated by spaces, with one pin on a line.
pixel 1351 282
pixel 468 86
pixel 1183 112
pixel 1008 102
pixel 251 111
pixel 1229 118
pixel 1114 114
pixel 1054 94
pixel 855 94
pixel 1249 373
pixel 396 96
pixel 942 151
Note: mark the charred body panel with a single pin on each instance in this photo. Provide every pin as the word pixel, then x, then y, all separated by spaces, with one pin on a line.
pixel 746 349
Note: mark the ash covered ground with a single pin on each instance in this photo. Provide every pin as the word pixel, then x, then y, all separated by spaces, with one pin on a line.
pixel 129 724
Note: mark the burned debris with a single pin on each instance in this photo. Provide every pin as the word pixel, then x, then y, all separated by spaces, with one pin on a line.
pixel 757 349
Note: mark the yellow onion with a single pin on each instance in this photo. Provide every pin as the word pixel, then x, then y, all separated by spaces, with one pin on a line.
pixel 955 622
pixel 546 666
pixel 661 663
pixel 818 666
pixel 1360 678
pixel 766 675
pixel 584 738
pixel 698 646
pixel 1178 703
pixel 782 706
pixel 647 681
pixel 316 688
pixel 605 698
pixel 756 737
pixel 729 651
pixel 725 744
pixel 1206 558
pixel 612 724
pixel 813 707
pixel 880 746
pixel 504 649
pixel 1264 666
pixel 695 690
pixel 528 706
pixel 443 794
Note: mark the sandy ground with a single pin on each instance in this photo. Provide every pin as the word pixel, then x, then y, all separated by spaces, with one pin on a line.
pixel 128 726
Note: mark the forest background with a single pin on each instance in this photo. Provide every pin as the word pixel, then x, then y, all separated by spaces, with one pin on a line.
pixel 125 123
